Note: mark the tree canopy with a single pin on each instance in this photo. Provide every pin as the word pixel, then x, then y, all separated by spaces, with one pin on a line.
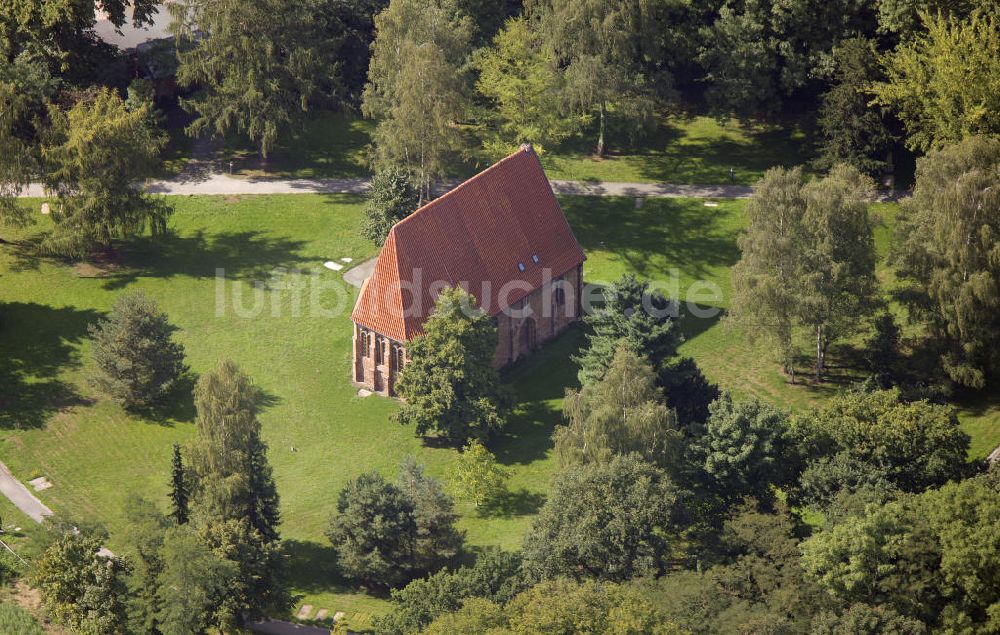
pixel 947 255
pixel 449 383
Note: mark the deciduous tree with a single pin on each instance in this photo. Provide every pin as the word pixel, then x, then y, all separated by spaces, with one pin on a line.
pixel 608 521
pixel 95 155
pixel 80 588
pixel 519 76
pixel 476 475
pixel 449 383
pixel 808 260
pixel 947 254
pixel 417 86
pixel 256 66
pixel 622 413
pixel 943 84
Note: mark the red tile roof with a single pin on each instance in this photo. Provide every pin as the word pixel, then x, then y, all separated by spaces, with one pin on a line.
pixel 476 235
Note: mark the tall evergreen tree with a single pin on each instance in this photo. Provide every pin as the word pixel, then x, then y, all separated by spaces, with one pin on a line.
pixel 633 315
pixel 437 541
pixel 392 197
pixel 178 487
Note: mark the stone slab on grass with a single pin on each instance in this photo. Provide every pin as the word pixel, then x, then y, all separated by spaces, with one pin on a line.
pixel 304 612
pixel 321 614
pixel 40 484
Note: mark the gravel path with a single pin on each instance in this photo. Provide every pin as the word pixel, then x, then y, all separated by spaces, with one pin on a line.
pixel 222 184
pixel 22 498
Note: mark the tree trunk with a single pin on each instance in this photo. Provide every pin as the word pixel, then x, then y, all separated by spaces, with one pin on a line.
pixel 820 353
pixel 600 134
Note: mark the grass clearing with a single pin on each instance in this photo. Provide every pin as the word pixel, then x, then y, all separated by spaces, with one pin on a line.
pixel 685 149
pixel 52 424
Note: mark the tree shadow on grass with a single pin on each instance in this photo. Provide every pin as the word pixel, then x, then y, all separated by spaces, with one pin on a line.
pixel 539 384
pixel 38 342
pixel 661 234
pixel 312 568
pixel 511 504
pixel 248 255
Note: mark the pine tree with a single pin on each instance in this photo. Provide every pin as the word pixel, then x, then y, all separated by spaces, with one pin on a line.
pixel 138 362
pixel 633 315
pixel 178 487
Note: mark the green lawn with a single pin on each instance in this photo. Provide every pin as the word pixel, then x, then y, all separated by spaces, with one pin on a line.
pixel 53 424
pixel 684 149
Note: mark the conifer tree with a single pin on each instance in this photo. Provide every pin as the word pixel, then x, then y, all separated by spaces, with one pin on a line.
pixel 178 487
pixel 138 362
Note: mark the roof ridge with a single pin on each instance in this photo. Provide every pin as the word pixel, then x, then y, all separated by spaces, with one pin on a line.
pixel 525 148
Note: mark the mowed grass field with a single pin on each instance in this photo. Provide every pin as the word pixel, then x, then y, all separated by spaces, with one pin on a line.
pixel 683 148
pixel 296 344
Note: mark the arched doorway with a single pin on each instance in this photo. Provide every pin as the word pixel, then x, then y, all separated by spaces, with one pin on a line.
pixel 528 336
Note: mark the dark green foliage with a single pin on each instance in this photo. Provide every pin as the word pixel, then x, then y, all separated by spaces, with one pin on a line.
pixel 178 487
pixel 437 540
pixel 137 361
pixel 17 621
pixel 81 589
pixel 634 314
pixel 912 445
pixel 234 506
pixel 259 587
pixel 689 393
pixel 744 449
pixel 609 521
pixel 761 565
pixel 853 131
pixel 758 52
pixel 864 619
pixel 622 413
pixel 60 33
pixel 449 383
pixel 230 475
pixel 93 155
pixel 882 350
pixel 496 576
pixel 374 531
pixel 192 584
pixel 392 197
pixel 830 480
pixel 947 255
pixel 902 17
pixel 146 527
pixel 354 22
pixel 266 64
pixel 929 557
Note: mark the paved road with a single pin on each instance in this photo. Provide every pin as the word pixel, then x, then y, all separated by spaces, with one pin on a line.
pixel 223 184
pixel 278 627
pixel 23 499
